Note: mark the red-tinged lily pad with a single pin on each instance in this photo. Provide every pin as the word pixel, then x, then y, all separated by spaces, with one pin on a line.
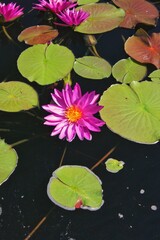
pixel 137 11
pixel 103 18
pixel 144 48
pixel 38 35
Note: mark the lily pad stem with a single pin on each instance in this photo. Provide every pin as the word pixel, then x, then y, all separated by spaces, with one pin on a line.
pixel 93 50
pixel 6 33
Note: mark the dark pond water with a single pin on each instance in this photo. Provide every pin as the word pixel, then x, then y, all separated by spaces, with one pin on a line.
pixel 130 195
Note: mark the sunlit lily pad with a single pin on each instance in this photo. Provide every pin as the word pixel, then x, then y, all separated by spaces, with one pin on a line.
pixel 92 67
pixel 155 76
pixel 39 34
pixel 82 2
pixel 8 161
pixel 113 165
pixel 45 64
pixel 133 111
pixel 137 11
pixel 127 70
pixel 103 17
pixel 144 48
pixel 73 187
pixel 17 96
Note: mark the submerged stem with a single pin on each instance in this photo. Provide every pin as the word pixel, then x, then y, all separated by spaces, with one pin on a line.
pixel 4 130
pixel 103 158
pixel 19 142
pixel 34 115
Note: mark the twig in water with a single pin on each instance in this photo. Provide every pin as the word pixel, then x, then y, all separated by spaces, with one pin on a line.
pixel 38 225
pixel 45 217
pixel 62 158
pixel 103 158
pixel 20 142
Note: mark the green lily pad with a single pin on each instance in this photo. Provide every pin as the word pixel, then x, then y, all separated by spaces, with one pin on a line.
pixel 45 64
pixel 17 96
pixel 155 76
pixel 82 2
pixel 113 165
pixel 92 67
pixel 8 161
pixel 127 70
pixel 103 18
pixel 133 111
pixel 73 187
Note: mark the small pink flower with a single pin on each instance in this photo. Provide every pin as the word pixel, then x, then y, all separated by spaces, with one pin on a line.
pixel 54 6
pixel 73 17
pixel 72 113
pixel 10 11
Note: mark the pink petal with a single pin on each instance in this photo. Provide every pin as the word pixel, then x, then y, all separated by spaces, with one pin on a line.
pixel 67 95
pixel 63 132
pixel 79 131
pixel 76 92
pixel 91 109
pixel 61 124
pixel 87 134
pixel 53 118
pixel 59 101
pixel 71 133
pixel 88 125
pixel 53 109
pixel 51 123
pixel 55 132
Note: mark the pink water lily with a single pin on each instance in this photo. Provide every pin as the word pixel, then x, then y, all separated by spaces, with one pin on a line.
pixel 54 6
pixel 10 11
pixel 73 17
pixel 71 113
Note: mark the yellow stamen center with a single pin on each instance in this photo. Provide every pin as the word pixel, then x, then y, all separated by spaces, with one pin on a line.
pixel 73 114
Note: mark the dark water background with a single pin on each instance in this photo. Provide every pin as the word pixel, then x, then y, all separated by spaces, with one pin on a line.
pixel 126 213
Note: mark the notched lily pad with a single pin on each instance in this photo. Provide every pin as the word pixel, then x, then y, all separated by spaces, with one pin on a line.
pixel 127 70
pixel 45 64
pixel 155 76
pixel 133 111
pixel 73 187
pixel 92 67
pixel 17 96
pixel 8 161
pixel 144 48
pixel 103 17
pixel 113 165
pixel 39 34
pixel 137 11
